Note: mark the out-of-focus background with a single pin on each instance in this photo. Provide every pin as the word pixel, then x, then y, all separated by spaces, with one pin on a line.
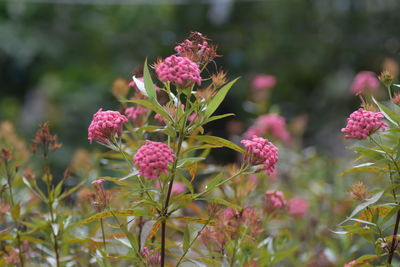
pixel 59 58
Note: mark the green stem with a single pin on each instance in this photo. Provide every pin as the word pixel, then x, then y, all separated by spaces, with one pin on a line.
pixel 103 235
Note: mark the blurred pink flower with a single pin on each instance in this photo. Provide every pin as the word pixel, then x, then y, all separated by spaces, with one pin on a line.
pixel 261 151
pixel 350 264
pixel 153 257
pixel 363 82
pixel 297 207
pixel 274 200
pixel 136 114
pixel 273 125
pixel 178 188
pixel 98 181
pixel 263 81
pixel 152 159
pixel 362 123
pixel 105 124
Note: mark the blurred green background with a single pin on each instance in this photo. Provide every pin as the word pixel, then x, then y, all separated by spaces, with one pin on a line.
pixel 58 59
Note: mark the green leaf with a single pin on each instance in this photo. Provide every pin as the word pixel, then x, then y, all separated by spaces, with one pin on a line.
pixel 190 219
pixel 218 141
pixel 218 98
pixel 15 212
pixel 389 115
pixel 214 181
pixel 70 191
pixel 364 204
pixel 221 202
pixel 104 214
pixel 213 118
pixel 364 167
pixel 369 152
pixel 186 239
pixel 189 161
pixel 148 83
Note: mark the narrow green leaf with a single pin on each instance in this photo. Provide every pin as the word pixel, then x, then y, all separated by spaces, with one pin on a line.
pixel 389 115
pixel 365 167
pixel 70 191
pixel 214 140
pixel 221 202
pixel 218 98
pixel 15 211
pixel 213 118
pixel 104 214
pixel 364 204
pixel 148 82
pixel 186 239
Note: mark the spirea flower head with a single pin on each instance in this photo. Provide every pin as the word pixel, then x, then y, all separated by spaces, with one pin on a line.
pixel 297 207
pixel 179 70
pixel 152 159
pixel 274 200
pixel 362 123
pixel 359 191
pixel 261 151
pixel 263 82
pixel 365 81
pixel 269 124
pixel 106 124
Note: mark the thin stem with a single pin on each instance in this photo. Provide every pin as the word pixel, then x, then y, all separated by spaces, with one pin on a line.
pixel 55 236
pixel 103 234
pixel 191 243
pixel 394 238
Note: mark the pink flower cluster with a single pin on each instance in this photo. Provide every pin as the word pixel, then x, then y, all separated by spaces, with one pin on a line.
pixel 364 81
pixel 261 151
pixel 362 123
pixel 152 159
pixel 179 70
pixel 153 258
pixel 263 81
pixel 297 207
pixel 135 114
pixel 105 124
pixel 274 200
pixel 269 124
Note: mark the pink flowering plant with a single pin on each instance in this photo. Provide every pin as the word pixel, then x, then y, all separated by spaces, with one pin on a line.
pixel 374 129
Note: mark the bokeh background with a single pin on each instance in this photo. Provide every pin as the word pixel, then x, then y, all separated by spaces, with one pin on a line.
pixel 59 58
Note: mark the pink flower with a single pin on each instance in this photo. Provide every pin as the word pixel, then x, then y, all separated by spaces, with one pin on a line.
pixel 274 200
pixel 350 264
pixel 152 159
pixel 263 81
pixel 106 124
pixel 261 151
pixel 98 181
pixel 153 258
pixel 362 123
pixel 363 82
pixel 269 124
pixel 178 188
pixel 228 213
pixel 179 70
pixel 136 114
pixel 298 207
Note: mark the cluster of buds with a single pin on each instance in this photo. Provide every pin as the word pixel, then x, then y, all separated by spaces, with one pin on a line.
pixel 197 49
pixel 136 114
pixel 386 78
pixel 105 125
pixel 45 140
pixel 153 158
pixel 120 88
pixel 263 82
pixel 297 207
pixel 362 123
pixel 261 151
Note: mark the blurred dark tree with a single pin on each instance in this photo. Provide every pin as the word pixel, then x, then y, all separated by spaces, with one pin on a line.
pixel 58 61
